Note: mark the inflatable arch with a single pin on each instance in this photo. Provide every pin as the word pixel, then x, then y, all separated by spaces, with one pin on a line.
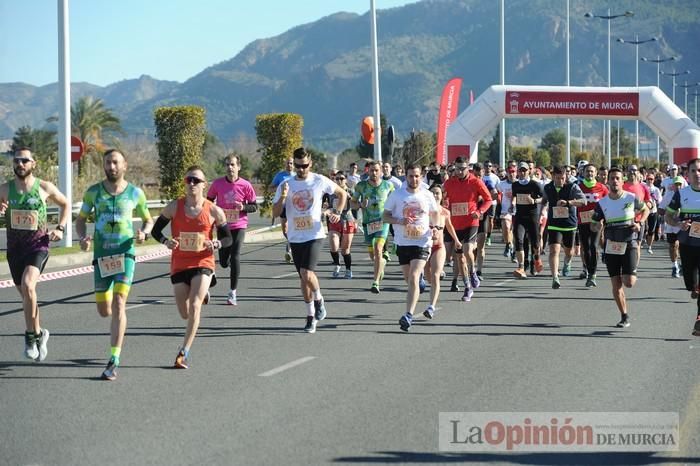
pixel 647 104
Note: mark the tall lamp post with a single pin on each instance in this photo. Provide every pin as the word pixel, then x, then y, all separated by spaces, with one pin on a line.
pixel 609 17
pixel 674 75
pixel 636 42
pixel 686 86
pixel 658 62
pixel 695 94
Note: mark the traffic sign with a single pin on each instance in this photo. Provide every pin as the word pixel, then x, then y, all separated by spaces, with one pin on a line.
pixel 77 148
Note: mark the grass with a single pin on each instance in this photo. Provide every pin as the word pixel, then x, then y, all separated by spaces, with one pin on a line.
pixel 60 251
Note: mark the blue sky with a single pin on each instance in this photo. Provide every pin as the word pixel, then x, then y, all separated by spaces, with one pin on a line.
pixel 112 40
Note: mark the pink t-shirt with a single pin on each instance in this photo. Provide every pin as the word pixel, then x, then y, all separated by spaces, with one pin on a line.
pixel 226 194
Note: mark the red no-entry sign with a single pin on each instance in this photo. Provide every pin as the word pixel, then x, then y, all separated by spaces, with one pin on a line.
pixel 77 148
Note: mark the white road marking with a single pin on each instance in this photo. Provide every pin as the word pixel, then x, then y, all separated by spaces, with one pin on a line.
pixel 285 275
pixel 289 365
pixel 504 282
pixel 136 306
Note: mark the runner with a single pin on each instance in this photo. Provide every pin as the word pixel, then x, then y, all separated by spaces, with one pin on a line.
pixel 505 187
pixel 463 194
pixel 433 268
pixel 562 198
pixel 192 263
pixel 640 190
pixel 670 230
pixel 652 220
pixel 481 232
pixel 370 195
pixel 594 192
pixel 302 196
pixel 279 178
pixel 237 198
pixel 112 202
pixel 415 213
pixel 340 234
pixel 23 201
pixel 684 212
pixel 527 194
pixel 619 211
pixel 491 181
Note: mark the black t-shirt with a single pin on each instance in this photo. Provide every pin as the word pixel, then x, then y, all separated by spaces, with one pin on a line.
pixel 534 189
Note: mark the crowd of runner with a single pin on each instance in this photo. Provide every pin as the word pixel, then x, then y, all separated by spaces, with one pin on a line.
pixel 430 218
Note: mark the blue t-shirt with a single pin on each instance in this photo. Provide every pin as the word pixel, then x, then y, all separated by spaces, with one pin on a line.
pixel 280 178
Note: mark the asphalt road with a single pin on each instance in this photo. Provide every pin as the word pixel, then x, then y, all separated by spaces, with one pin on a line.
pixel 359 391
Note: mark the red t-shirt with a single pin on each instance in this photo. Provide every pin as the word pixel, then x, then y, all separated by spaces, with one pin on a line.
pixel 191 232
pixel 593 195
pixel 463 197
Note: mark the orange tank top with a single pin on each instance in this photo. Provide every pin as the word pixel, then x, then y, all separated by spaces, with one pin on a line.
pixel 192 232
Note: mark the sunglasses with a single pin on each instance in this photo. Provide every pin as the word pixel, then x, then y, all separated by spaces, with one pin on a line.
pixel 193 180
pixel 340 178
pixel 22 161
pixel 523 169
pixel 301 166
pixel 461 167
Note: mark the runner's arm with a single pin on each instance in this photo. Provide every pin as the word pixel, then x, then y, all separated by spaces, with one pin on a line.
pixel 280 199
pixel 162 221
pixel 223 233
pixel 60 200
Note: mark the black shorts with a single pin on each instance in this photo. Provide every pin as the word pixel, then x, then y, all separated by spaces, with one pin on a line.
pixel 671 238
pixel 468 235
pixel 491 212
pixel 565 238
pixel 625 264
pixel 408 253
pixel 19 263
pixel 186 276
pixel 482 225
pixel 305 255
pixel 446 236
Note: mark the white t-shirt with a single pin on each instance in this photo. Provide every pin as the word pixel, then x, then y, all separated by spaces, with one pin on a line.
pixel 403 204
pixel 506 188
pixel 665 201
pixel 352 180
pixel 393 180
pixel 668 181
pixel 304 209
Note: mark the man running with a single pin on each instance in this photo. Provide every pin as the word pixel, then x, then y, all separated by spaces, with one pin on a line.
pixel 237 198
pixel 280 177
pixel 370 195
pixel 415 214
pixel 505 187
pixel 671 231
pixel 527 194
pixel 562 198
pixel 302 196
pixel 621 212
pixel 23 201
pixel 112 201
pixel 594 191
pixel 192 262
pixel 491 181
pixel 684 212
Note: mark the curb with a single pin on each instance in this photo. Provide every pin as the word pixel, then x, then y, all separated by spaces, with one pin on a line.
pixel 55 263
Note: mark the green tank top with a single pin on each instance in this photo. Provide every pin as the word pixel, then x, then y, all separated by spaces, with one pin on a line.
pixel 26 220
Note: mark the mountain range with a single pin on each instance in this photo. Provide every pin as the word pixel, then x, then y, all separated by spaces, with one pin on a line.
pixel 321 70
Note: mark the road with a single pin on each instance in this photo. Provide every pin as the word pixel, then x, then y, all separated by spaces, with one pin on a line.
pixel 359 391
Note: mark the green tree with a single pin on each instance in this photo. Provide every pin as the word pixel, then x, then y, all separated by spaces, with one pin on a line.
pixel 542 158
pixel 419 147
pixel 494 154
pixel 278 135
pixel 180 134
pixel 319 159
pixel 523 153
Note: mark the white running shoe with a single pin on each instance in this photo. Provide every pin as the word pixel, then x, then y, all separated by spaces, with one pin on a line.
pixel 231 299
pixel 42 341
pixel 30 349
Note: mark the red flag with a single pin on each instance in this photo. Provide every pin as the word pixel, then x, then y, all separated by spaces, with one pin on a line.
pixel 449 106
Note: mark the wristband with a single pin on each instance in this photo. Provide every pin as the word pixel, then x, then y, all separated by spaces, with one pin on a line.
pixel 60 227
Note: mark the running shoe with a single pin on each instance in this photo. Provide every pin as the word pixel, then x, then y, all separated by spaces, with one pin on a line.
pixel 467 296
pixel 110 372
pixel 650 251
pixel 566 270
pixel 429 312
pixel 319 309
pixel 442 274
pixel 513 259
pixel 539 267
pixel 422 285
pixel 506 251
pixel 583 275
pixel 182 360
pixel 42 341
pixel 30 349
pixel 310 324
pixel 386 256
pixel 675 272
pixel 232 299
pixel 449 263
pixel 288 257
pixel 696 328
pixel 590 282
pixel 624 322
pixel 336 271
pixel 374 288
pixel 348 274
pixel 474 280
pixel 479 275
pixel 405 322
pixel 519 273
pixel 556 284
pixel 488 241
pixel 695 293
pixel 454 286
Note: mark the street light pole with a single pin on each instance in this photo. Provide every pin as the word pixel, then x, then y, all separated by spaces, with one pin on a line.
pixel 375 85
pixel 609 17
pixel 673 75
pixel 686 86
pixel 658 62
pixel 636 42
pixel 502 72
pixel 695 94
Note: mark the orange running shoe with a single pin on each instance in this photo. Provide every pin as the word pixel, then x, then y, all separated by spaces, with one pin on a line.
pixel 519 273
pixel 182 360
pixel 539 266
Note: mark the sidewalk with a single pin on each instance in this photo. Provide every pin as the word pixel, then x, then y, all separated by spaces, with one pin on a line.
pixel 273 233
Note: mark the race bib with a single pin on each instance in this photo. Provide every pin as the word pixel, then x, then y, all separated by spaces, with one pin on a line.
pixel 303 223
pixel 586 216
pixel 413 231
pixel 111 265
pixel 560 212
pixel 521 198
pixel 616 248
pixel 694 230
pixel 374 227
pixel 459 208
pixel 232 215
pixel 25 220
pixel 191 242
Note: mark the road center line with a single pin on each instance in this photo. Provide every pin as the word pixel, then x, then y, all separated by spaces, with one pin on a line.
pixel 504 282
pixel 289 365
pixel 136 306
pixel 285 275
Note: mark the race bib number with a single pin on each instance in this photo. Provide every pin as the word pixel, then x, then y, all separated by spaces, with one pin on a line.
pixel 521 198
pixel 694 230
pixel 374 227
pixel 303 223
pixel 413 231
pixel 459 208
pixel 616 248
pixel 586 216
pixel 232 215
pixel 25 220
pixel 111 265
pixel 560 212
pixel 191 242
